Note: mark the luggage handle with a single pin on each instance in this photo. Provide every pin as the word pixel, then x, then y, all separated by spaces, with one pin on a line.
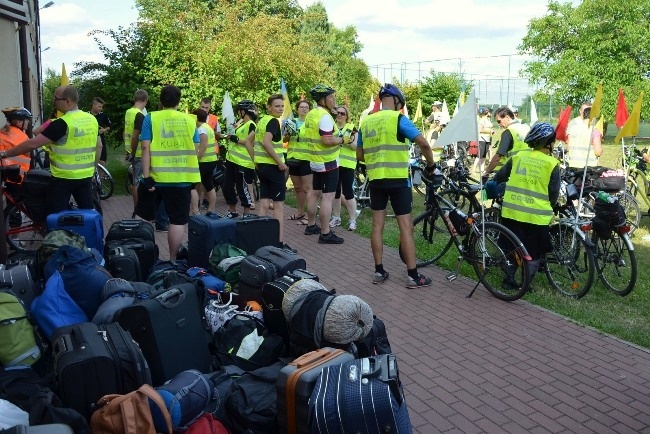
pixel 129 224
pixel 315 356
pixel 61 345
pixel 71 220
pixel 165 298
pixel 371 367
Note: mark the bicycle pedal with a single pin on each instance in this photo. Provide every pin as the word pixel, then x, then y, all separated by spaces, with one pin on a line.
pixel 451 277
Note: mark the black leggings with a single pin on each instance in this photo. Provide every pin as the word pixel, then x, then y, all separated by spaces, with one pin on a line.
pixel 237 178
pixel 346 181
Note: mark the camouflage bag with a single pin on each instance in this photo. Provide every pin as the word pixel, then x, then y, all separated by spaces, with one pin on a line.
pixel 51 243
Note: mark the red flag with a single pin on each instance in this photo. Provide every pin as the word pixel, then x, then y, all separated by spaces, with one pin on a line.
pixel 377 106
pixel 562 123
pixel 621 110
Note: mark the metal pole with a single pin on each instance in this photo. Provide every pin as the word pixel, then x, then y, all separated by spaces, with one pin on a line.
pixel 508 93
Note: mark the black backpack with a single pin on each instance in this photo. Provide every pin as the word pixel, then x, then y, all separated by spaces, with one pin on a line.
pixel 376 342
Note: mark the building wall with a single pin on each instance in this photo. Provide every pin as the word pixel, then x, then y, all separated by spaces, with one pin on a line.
pixel 11 90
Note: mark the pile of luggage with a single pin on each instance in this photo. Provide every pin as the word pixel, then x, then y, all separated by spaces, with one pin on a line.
pixel 239 337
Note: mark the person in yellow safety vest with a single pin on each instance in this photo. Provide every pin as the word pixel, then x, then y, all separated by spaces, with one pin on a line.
pixel 207 155
pixel 347 166
pixel 383 144
pixel 170 167
pixel 133 119
pixel 584 143
pixel 268 156
pixel 319 133
pixel 532 180
pixel 239 166
pixel 298 155
pixel 75 147
pixel 512 139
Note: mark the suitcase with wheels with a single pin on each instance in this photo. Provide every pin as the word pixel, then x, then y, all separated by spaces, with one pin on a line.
pixel 253 232
pixel 272 296
pixel 203 233
pixel 146 250
pixel 169 329
pixel 124 263
pixel 91 361
pixel 85 222
pixel 296 383
pixel 131 229
pixel 284 260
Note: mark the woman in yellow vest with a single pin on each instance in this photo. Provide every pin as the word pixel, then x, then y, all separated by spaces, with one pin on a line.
pixel 298 154
pixel 207 155
pixel 347 166
pixel 532 181
pixel 269 159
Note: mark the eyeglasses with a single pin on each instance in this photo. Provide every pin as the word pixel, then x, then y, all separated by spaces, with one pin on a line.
pixel 341 114
pixel 56 98
pixel 306 107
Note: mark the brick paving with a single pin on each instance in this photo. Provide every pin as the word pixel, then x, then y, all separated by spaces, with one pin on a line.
pixel 480 364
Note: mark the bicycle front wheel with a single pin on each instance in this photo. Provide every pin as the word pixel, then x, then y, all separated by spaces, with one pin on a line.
pixel 106 184
pixel 500 261
pixel 616 263
pixel 22 233
pixel 632 211
pixel 570 266
pixel 432 239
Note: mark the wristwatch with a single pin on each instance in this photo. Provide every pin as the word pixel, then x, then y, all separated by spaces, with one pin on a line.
pixel 3 154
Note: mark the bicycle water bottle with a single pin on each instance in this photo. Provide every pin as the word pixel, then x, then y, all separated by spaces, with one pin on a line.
pixel 602 196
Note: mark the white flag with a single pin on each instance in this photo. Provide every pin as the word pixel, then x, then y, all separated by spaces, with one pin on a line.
pixel 533 112
pixel 463 126
pixel 444 117
pixel 228 114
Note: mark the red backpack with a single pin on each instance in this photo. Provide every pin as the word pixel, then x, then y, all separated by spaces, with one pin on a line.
pixel 207 424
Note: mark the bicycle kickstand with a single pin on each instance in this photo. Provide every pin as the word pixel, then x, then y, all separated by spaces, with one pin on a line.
pixel 454 274
pixel 473 289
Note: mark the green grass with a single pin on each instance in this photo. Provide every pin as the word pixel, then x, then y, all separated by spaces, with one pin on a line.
pixel 627 318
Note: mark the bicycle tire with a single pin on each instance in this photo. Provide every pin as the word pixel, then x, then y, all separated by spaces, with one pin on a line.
pixel 129 180
pixel 570 267
pixel 505 261
pixel 431 242
pixel 106 183
pixel 616 263
pixel 24 236
pixel 632 210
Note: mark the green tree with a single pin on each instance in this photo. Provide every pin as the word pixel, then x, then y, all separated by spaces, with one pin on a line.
pixel 440 86
pixel 596 41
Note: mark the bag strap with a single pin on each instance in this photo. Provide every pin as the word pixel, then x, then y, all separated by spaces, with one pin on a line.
pixel 152 394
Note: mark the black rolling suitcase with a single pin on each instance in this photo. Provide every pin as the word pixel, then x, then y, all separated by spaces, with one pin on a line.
pixel 91 361
pixel 131 229
pixel 169 329
pixel 124 263
pixel 203 233
pixel 146 250
pixel 284 260
pixel 253 232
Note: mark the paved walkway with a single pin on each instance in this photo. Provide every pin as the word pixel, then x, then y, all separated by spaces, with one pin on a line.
pixel 480 364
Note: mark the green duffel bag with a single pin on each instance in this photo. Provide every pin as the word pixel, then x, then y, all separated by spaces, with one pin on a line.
pixel 224 262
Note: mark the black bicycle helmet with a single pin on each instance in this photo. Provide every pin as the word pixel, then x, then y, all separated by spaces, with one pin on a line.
pixel 541 135
pixel 320 91
pixel 390 90
pixel 248 107
pixel 19 113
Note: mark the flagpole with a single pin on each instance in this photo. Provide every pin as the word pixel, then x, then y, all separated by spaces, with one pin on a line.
pixel 594 121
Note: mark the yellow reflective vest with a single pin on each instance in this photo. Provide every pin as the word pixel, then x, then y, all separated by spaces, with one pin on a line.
pixel 518 145
pixel 320 153
pixel 347 156
pixel 73 156
pixel 129 123
pixel 260 154
pixel 299 149
pixel 580 146
pixel 386 157
pixel 173 155
pixel 237 153
pixel 526 197
pixel 210 153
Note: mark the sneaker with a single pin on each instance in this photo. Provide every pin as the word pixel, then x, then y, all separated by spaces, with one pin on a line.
pixel 330 238
pixel 336 221
pixel 352 226
pixel 380 277
pixel 312 230
pixel 419 283
pixel 231 215
pixel 162 228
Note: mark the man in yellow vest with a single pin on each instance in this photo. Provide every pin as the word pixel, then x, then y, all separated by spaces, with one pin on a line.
pixel 318 133
pixel 383 144
pixel 75 147
pixel 170 167
pixel 532 181
pixel 133 119
pixel 512 139
pixel 207 154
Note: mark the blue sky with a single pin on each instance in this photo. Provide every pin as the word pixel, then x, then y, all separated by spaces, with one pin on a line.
pixel 401 38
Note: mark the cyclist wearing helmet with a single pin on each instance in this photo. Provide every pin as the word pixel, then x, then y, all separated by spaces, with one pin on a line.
pixel 532 180
pixel 240 169
pixel 74 146
pixel 383 144
pixel 512 139
pixel 318 132
pixel 13 133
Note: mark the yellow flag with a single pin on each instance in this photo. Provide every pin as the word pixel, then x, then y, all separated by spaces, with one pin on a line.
pixel 599 125
pixel 631 126
pixel 64 82
pixel 598 102
pixel 418 111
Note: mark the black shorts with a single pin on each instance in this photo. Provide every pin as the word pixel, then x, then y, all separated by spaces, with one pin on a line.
pixel 104 153
pixel 401 199
pixel 301 169
pixel 272 183
pixel 326 182
pixel 176 201
pixel 206 170
pixel 346 181
pixel 483 149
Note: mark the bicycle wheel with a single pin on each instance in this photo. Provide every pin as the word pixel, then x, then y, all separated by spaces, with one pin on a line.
pixel 360 188
pixel 570 266
pixel 616 263
pixel 432 239
pixel 21 232
pixel 500 262
pixel 105 182
pixel 129 180
pixel 632 211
